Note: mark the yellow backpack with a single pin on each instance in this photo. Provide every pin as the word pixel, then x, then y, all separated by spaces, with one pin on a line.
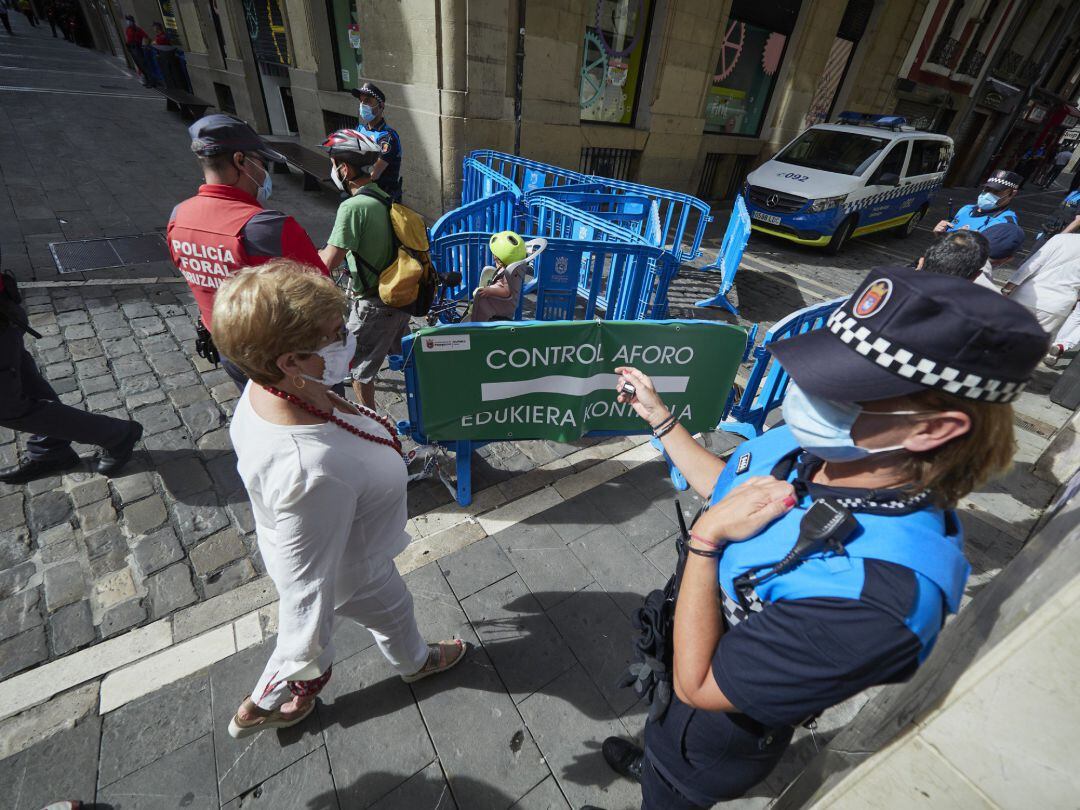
pixel 409 282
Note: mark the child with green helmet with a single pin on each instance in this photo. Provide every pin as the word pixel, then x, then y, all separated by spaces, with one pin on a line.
pixel 496 298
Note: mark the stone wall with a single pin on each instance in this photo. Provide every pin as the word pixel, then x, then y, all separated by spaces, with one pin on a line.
pixel 448 70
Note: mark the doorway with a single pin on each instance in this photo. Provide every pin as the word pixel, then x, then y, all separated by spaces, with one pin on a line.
pixel 969 151
pixel 268 32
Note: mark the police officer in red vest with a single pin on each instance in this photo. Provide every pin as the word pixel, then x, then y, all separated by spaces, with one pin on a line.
pixel 225 227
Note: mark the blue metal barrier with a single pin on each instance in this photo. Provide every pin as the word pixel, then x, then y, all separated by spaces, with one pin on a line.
pixel 625 281
pixel 479 181
pixel 730 256
pixel 527 174
pixel 768 381
pixel 492 214
pixel 678 214
pixel 631 212
pixel 681 217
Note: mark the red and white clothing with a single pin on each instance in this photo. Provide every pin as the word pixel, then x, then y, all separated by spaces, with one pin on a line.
pixel 222 230
pixel 330 511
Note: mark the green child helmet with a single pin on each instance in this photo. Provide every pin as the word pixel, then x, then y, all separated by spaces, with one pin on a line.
pixel 507 247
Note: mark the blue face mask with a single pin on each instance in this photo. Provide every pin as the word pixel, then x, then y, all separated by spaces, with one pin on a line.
pixel 367 113
pixel 824 427
pixel 986 201
pixel 266 187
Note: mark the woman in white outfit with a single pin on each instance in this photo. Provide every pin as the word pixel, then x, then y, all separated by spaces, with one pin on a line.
pixel 327 487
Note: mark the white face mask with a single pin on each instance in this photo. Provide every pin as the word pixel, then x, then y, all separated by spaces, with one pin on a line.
pixel 336 359
pixel 824 427
pixel 265 188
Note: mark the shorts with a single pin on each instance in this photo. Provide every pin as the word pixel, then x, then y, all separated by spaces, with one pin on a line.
pixel 379 330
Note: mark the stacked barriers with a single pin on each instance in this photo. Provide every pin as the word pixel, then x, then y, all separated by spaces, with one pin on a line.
pixel 682 217
pixel 505 192
pixel 621 280
pixel 613 248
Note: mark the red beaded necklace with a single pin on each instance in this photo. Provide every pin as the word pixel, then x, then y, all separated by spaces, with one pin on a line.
pixel 299 403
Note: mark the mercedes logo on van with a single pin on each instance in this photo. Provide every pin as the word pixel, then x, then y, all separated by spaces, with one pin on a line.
pixel 772 200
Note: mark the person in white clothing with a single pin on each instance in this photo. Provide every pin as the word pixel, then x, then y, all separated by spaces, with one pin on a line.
pixel 1067 338
pixel 1061 160
pixel 327 486
pixel 1048 283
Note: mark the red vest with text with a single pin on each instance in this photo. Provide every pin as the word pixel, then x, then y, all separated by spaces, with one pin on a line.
pixel 204 237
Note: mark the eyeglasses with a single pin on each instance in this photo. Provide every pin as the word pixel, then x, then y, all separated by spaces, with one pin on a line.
pixel 340 335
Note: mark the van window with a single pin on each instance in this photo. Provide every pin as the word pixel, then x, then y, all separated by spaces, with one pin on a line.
pixel 928 157
pixel 893 162
pixel 833 151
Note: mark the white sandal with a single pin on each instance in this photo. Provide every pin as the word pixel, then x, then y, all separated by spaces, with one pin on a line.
pixel 441 663
pixel 238 729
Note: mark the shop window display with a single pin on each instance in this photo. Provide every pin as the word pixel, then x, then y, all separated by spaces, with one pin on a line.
pixel 613 59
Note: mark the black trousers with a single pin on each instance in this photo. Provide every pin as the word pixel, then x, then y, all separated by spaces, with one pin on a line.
pixel 30 405
pixel 6 21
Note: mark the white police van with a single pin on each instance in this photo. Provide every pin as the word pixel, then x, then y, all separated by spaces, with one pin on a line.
pixel 862 174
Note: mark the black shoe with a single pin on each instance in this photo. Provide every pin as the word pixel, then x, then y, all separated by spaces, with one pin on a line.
pixel 113 458
pixel 29 469
pixel 624 757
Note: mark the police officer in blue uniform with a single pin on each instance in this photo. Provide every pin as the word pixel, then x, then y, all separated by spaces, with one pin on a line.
pixel 830 553
pixel 991 207
pixel 387 169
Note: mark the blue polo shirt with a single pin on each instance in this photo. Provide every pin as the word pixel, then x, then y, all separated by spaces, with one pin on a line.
pixel 848 624
pixel 390 145
pixel 973 219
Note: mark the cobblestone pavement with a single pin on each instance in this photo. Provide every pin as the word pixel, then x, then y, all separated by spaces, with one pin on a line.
pixel 114 588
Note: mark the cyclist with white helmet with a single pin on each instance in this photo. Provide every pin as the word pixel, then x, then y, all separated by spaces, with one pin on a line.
pixel 497 296
pixel 364 237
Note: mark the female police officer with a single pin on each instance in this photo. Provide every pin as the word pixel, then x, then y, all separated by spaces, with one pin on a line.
pixel 896 410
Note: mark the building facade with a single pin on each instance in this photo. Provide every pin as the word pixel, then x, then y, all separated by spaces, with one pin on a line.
pixel 686 94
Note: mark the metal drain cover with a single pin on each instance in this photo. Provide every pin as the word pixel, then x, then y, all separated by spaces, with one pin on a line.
pixel 98 254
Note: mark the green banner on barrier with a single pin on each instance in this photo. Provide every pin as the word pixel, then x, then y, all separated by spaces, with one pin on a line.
pixel 556 380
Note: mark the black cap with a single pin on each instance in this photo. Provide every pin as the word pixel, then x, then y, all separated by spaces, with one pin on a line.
pixel 1002 179
pixel 904 331
pixel 368 89
pixel 1005 239
pixel 217 133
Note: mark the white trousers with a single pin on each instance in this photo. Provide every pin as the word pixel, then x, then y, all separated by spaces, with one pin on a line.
pixel 1069 333
pixel 381 603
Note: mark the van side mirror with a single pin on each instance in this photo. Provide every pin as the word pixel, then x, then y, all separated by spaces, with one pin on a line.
pixel 885 179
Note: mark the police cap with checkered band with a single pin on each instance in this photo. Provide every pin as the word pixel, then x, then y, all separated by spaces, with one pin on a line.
pixel 904 331
pixel 1003 180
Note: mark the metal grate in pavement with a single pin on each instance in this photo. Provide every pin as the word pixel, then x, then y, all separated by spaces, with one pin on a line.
pixel 97 254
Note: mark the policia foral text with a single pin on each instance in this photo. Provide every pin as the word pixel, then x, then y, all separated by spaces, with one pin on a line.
pixel 896 410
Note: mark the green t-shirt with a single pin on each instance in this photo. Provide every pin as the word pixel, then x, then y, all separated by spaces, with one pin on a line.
pixel 363 225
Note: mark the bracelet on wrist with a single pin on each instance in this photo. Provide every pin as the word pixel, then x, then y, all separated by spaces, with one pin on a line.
pixel 703 553
pixel 705 541
pixel 665 427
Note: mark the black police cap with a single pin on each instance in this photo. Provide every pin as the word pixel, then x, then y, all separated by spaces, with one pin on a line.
pixel 217 133
pixel 368 89
pixel 904 331
pixel 1010 181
